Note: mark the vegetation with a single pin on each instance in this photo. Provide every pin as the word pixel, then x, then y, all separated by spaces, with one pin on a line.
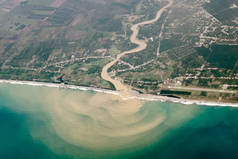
pixel 222 10
pixel 167 92
pixel 193 44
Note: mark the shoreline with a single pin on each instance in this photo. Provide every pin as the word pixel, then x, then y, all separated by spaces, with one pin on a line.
pixel 144 97
pixel 141 45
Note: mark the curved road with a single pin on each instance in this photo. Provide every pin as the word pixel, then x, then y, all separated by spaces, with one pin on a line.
pixel 141 46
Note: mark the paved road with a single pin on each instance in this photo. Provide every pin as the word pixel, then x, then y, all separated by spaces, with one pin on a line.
pixel 202 89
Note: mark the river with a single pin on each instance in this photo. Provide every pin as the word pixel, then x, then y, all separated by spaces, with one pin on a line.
pixel 46 121
pixel 141 45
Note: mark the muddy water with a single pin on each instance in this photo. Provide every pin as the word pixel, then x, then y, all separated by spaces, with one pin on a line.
pixel 53 123
pixel 141 46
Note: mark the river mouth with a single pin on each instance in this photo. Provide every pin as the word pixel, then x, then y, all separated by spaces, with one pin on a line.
pixel 87 119
pixel 44 122
pixel 141 45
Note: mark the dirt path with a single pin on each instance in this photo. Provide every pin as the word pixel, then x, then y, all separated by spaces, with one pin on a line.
pixel 141 46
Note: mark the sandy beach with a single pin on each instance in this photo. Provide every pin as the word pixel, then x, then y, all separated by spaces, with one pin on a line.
pixel 125 92
pixel 143 97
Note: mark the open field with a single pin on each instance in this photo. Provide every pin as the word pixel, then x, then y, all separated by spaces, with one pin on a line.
pixel 192 44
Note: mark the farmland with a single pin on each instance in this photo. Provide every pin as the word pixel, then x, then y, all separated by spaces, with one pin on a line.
pixel 69 41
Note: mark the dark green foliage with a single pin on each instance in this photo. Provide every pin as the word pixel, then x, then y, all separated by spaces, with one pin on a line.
pixel 203 93
pixel 222 56
pixel 62 16
pixel 22 26
pixel 112 87
pixel 20 74
pixel 146 55
pixel 203 82
pixel 112 25
pixel 94 69
pixel 41 52
pixel 165 92
pixel 222 11
pixel 173 42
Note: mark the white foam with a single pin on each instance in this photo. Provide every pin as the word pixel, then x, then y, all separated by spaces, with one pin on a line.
pixel 145 97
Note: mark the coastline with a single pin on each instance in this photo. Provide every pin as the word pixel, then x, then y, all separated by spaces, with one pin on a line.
pixel 144 97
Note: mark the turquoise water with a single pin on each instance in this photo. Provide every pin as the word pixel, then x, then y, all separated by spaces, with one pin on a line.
pixel 50 123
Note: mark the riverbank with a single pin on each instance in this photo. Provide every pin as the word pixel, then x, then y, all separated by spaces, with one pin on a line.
pixel 143 97
pixel 141 45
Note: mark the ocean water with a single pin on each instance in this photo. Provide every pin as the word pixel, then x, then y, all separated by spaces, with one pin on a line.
pixel 52 123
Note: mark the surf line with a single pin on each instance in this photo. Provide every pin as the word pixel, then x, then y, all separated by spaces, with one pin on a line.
pixel 143 97
pixel 141 45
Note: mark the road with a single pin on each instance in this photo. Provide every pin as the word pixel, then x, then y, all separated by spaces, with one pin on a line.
pixel 202 89
pixel 141 45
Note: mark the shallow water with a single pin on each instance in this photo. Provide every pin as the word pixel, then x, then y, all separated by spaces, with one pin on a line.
pixel 41 122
